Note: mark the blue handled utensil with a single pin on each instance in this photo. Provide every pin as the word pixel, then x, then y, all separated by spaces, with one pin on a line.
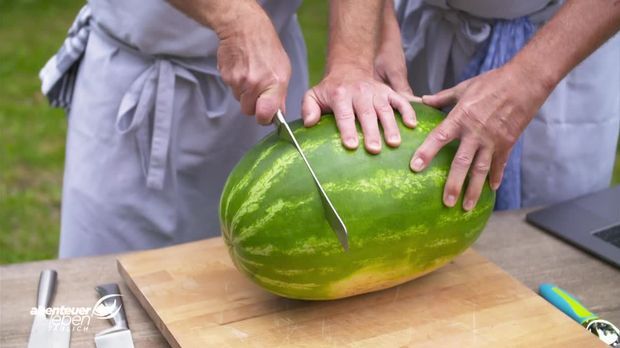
pixel 564 301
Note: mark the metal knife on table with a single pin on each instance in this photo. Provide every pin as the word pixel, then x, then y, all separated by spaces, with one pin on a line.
pixel 46 332
pixel 284 132
pixel 565 302
pixel 119 335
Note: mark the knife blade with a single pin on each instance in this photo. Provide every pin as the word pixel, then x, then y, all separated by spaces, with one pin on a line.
pixel 334 220
pixel 119 335
pixel 44 332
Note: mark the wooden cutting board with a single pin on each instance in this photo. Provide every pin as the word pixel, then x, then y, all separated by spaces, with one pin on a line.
pixel 197 298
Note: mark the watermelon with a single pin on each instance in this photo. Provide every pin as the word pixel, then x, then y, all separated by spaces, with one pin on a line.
pixel 273 223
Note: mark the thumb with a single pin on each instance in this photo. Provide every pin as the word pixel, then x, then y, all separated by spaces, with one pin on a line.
pixel 400 85
pixel 267 105
pixel 441 98
pixel 310 109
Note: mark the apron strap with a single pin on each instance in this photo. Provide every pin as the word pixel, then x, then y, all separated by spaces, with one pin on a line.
pixel 164 111
pixel 147 110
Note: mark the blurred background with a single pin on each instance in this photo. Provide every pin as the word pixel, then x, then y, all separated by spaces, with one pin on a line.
pixel 32 134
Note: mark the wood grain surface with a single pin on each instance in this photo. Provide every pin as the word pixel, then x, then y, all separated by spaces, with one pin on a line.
pixel 527 253
pixel 76 283
pixel 197 298
pixel 535 257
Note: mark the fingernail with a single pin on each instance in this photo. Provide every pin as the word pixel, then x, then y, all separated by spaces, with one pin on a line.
pixel 351 142
pixel 450 201
pixel 395 138
pixel 468 205
pixel 494 186
pixel 374 145
pixel 418 164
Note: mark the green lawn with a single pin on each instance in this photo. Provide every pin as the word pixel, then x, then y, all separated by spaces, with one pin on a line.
pixel 32 134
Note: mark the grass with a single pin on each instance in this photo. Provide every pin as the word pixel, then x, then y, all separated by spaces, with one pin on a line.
pixel 313 20
pixel 32 134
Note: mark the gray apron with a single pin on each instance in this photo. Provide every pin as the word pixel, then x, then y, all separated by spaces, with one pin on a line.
pixel 153 131
pixel 569 148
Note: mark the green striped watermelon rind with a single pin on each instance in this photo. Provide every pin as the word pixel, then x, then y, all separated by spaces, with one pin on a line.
pixel 272 218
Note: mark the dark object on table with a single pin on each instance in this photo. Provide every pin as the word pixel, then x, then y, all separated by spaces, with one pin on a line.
pixel 591 222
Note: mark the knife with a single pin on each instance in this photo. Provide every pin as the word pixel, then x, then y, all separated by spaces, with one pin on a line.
pixel 334 220
pixel 564 301
pixel 118 336
pixel 45 332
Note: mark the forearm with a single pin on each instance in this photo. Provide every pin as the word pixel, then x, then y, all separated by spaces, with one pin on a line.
pixel 223 16
pixel 577 30
pixel 390 32
pixel 354 31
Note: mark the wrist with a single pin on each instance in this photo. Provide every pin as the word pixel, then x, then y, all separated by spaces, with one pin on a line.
pixel 540 77
pixel 390 32
pixel 536 80
pixel 349 67
pixel 391 41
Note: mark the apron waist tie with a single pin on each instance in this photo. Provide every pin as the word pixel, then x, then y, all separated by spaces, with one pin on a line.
pixel 147 110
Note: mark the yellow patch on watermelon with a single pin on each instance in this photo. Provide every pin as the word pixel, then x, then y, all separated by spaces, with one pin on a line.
pixel 270 283
pixel 379 277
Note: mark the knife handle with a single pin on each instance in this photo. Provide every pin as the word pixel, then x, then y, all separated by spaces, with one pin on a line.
pixel 120 319
pixel 47 287
pixel 566 303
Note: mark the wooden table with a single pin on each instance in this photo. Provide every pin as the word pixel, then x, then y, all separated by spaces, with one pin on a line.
pixel 526 253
